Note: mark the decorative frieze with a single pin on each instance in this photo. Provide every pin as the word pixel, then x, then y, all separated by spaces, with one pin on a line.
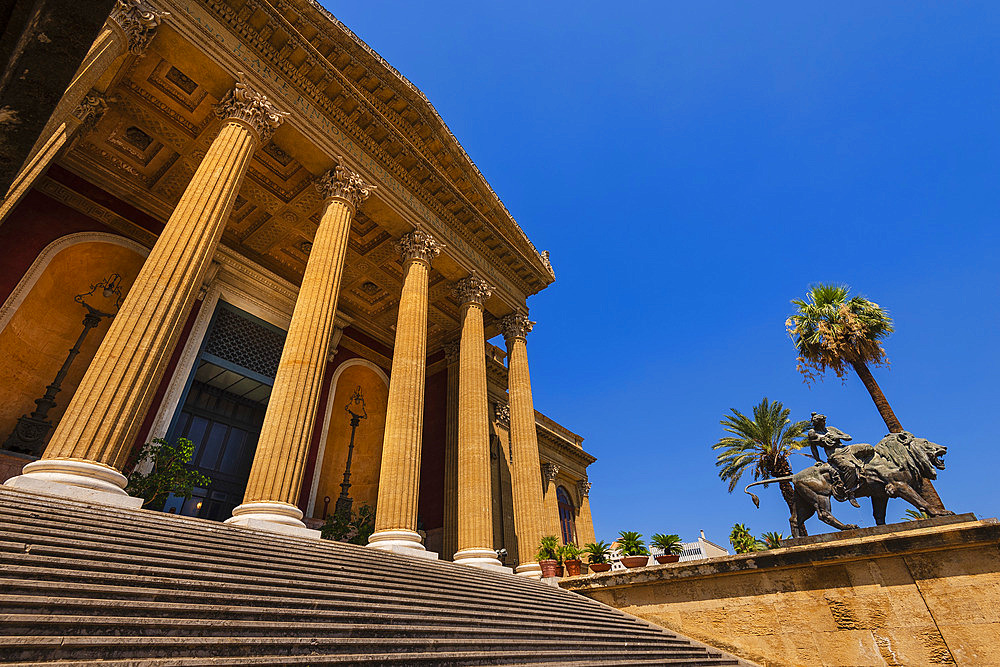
pixel 244 103
pixel 472 290
pixel 419 245
pixel 583 488
pixel 343 183
pixel 549 471
pixel 515 325
pixel 139 21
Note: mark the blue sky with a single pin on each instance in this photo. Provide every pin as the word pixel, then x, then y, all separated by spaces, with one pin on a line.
pixel 694 166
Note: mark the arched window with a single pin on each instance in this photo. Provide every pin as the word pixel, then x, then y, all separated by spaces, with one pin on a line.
pixel 567 515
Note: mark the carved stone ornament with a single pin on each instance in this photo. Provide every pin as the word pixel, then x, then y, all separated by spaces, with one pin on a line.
pixel 583 488
pixel 549 471
pixel 90 109
pixel 451 351
pixel 342 183
pixel 515 325
pixel 139 21
pixel 472 290
pixel 502 412
pixel 419 245
pixel 547 261
pixel 246 104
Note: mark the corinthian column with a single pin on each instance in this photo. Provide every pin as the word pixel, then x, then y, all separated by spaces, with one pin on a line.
pixel 475 502
pixel 450 537
pixel 129 29
pixel 93 439
pixel 276 474
pixel 529 523
pixel 399 479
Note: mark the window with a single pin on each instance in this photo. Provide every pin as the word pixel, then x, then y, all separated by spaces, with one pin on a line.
pixel 567 515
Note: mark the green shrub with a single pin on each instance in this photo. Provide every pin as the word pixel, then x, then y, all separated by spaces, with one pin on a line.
pixel 671 544
pixel 548 548
pixel 597 552
pixel 355 529
pixel 631 544
pixel 569 552
pixel 168 474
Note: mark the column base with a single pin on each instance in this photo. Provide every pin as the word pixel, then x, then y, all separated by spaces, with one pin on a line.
pixel 405 542
pixel 272 517
pixel 529 570
pixel 484 559
pixel 77 479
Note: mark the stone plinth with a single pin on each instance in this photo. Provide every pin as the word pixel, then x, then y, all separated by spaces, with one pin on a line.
pixel 914 593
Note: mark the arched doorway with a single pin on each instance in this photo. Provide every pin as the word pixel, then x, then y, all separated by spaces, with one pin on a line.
pixel 567 515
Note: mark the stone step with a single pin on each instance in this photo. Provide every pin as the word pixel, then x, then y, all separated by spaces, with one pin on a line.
pixel 83 648
pixel 30 525
pixel 440 659
pixel 96 585
pixel 16 583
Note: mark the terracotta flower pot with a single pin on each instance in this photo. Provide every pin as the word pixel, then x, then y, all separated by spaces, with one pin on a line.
pixel 600 567
pixel 635 561
pixel 668 558
pixel 550 568
pixel 573 567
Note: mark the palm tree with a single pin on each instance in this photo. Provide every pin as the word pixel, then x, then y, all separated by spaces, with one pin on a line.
pixel 772 540
pixel 834 330
pixel 761 444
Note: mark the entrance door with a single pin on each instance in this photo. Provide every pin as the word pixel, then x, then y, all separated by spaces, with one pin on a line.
pixel 223 409
pixel 224 428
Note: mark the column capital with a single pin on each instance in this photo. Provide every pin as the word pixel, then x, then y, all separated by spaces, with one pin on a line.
pixel 583 487
pixel 90 109
pixel 139 21
pixel 515 325
pixel 472 289
pixel 419 245
pixel 451 351
pixel 549 471
pixel 245 104
pixel 344 184
pixel 501 411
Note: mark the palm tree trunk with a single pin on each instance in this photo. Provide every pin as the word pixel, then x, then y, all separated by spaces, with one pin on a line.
pixel 867 379
pixel 782 469
pixel 928 491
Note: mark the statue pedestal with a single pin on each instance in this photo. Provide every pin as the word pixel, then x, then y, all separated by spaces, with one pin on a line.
pixel 912 593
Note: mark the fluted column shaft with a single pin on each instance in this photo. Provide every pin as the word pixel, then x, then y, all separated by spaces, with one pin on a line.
pixel 529 522
pixel 475 502
pixel 585 522
pixel 130 27
pixel 278 464
pixel 553 524
pixel 399 478
pixel 104 416
pixel 450 537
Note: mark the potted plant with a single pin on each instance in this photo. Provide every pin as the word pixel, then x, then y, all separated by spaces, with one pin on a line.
pixel 548 557
pixel 671 545
pixel 634 552
pixel 570 554
pixel 597 554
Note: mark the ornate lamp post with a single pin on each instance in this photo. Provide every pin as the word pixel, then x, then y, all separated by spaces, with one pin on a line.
pixel 29 433
pixel 356 408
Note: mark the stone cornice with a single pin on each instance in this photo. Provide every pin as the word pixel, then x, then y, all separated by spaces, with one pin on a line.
pixel 418 136
pixel 342 183
pixel 250 106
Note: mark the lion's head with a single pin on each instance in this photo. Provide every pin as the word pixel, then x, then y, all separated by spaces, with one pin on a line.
pixel 920 455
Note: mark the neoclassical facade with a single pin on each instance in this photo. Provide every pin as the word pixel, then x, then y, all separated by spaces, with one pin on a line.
pixel 247 229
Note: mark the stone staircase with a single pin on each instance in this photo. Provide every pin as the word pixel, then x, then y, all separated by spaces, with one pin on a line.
pixel 83 584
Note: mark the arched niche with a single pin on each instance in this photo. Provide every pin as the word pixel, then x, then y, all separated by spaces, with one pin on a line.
pixel 40 321
pixel 332 455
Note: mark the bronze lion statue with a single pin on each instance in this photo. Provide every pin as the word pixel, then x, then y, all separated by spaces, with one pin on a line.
pixel 894 468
